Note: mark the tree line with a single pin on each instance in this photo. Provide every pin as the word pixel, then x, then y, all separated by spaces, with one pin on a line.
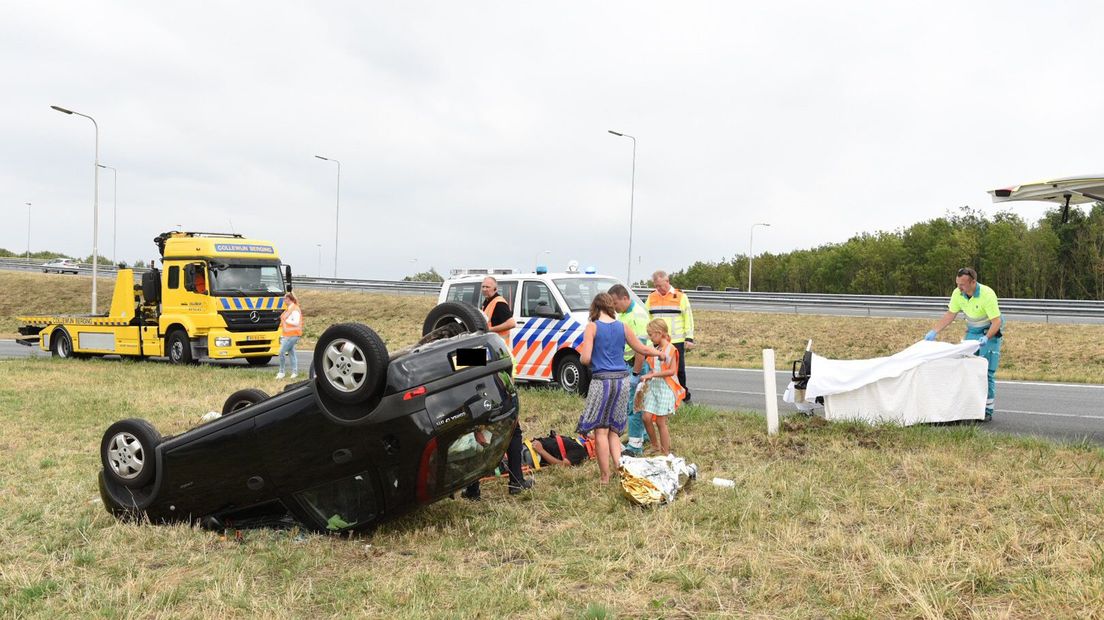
pixel 1047 260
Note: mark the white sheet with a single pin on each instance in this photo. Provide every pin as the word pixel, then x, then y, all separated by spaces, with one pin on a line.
pixel 940 390
pixel 838 376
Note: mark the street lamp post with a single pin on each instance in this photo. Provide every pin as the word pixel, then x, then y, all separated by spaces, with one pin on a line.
pixel 319 259
pixel 28 232
pixel 95 202
pixel 536 260
pixel 751 246
pixel 632 195
pixel 337 210
pixel 115 210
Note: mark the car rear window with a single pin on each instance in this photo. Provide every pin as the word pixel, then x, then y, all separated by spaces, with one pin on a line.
pixel 476 452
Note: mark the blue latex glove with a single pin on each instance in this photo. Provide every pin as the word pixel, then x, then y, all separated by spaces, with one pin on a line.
pixel 982 340
pixel 930 335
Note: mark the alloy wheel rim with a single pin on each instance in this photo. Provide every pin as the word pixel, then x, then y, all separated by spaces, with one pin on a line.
pixel 126 456
pixel 344 365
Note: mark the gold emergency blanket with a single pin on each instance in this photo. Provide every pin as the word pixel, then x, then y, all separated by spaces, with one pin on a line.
pixel 655 480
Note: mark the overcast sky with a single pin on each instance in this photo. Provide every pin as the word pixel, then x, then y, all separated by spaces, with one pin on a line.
pixel 475 133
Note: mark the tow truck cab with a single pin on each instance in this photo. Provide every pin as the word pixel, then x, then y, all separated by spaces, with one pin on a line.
pixel 216 295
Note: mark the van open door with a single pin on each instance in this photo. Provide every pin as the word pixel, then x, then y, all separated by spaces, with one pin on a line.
pixel 1065 191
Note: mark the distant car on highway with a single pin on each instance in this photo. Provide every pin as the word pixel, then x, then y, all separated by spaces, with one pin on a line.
pixel 62 265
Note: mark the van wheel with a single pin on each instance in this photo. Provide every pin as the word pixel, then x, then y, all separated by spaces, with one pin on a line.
pixel 179 349
pixel 243 398
pixel 61 345
pixel 452 313
pixel 127 452
pixel 572 375
pixel 260 361
pixel 351 363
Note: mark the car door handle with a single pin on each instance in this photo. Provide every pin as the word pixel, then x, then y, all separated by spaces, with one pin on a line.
pixel 343 455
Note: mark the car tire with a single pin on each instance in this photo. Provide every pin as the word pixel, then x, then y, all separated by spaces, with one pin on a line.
pixel 351 363
pixel 571 375
pixel 241 399
pixel 260 361
pixel 178 347
pixel 61 344
pixel 454 313
pixel 128 452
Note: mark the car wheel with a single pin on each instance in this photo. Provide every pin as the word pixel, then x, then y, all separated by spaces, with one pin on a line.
pixel 61 345
pixel 572 375
pixel 452 313
pixel 127 452
pixel 241 399
pixel 179 349
pixel 259 361
pixel 351 363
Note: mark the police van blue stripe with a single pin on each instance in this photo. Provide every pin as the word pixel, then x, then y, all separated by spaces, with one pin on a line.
pixel 271 300
pixel 237 303
pixel 225 303
pixel 524 330
pixel 554 333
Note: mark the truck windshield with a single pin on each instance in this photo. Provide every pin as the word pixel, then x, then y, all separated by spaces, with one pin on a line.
pixel 579 292
pixel 245 279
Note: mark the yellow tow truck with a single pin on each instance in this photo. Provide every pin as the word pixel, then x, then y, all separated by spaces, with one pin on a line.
pixel 217 296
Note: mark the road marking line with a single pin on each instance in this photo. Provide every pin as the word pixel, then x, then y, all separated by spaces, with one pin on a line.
pixel 1093 386
pixel 1052 415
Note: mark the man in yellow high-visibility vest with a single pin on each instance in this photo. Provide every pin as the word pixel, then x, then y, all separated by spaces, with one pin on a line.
pixel 983 323
pixel 671 305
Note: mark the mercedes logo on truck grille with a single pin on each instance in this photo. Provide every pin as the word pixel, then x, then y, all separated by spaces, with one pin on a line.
pixel 253 317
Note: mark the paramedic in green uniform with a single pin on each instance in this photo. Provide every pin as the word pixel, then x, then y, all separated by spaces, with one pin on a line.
pixel 983 323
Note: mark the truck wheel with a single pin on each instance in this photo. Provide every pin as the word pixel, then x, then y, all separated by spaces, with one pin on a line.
pixel 61 345
pixel 351 363
pixel 572 375
pixel 259 361
pixel 179 349
pixel 127 452
pixel 241 399
pixel 452 313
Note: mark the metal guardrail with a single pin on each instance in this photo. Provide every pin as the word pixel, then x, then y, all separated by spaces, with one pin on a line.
pixel 767 302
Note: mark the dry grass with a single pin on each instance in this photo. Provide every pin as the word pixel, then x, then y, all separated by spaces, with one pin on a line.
pixel 1032 351
pixel 825 521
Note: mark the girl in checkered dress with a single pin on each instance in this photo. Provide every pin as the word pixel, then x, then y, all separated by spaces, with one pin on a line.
pixel 665 393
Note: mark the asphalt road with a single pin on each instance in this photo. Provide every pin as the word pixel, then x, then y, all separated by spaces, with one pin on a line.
pixel 1064 412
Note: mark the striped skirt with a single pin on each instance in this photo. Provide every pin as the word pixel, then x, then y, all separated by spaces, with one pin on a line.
pixel 607 402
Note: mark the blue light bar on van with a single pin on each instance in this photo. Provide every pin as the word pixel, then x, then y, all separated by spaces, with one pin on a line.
pixel 542 268
pixel 591 270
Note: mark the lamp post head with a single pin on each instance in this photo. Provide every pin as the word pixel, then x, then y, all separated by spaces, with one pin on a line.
pixel 61 109
pixel 615 133
pixel 323 158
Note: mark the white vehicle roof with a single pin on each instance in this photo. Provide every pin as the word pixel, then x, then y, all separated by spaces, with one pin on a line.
pixel 532 275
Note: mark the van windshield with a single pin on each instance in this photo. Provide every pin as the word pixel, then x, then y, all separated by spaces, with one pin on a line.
pixel 579 292
pixel 245 279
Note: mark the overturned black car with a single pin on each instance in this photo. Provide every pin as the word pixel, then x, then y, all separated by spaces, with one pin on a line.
pixel 367 438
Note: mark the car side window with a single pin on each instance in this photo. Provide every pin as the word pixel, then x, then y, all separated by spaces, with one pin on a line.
pixel 464 293
pixel 174 277
pixel 535 293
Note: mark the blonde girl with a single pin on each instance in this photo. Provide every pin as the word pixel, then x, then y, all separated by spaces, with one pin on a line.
pixel 665 393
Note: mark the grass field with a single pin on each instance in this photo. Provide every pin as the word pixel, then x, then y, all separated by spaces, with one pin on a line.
pixel 1031 351
pixel 825 521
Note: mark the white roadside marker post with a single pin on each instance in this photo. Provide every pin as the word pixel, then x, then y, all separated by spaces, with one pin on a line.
pixel 770 391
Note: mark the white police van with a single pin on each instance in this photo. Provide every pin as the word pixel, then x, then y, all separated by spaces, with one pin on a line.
pixel 551 311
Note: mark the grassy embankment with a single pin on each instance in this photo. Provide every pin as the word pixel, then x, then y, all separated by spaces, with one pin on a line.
pixel 1032 351
pixel 825 521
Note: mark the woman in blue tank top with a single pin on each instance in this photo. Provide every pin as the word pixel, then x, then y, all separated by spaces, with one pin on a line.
pixel 608 397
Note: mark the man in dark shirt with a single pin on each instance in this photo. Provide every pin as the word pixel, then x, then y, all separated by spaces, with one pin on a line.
pixel 500 320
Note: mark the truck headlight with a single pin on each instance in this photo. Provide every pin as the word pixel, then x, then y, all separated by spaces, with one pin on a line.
pixel 222 342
